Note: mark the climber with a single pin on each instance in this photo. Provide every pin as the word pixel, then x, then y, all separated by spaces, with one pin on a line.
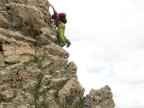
pixel 60 21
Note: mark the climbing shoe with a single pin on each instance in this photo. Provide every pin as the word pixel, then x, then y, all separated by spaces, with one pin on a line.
pixel 68 44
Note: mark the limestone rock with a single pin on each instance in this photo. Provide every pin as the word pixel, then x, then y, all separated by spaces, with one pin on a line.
pixel 52 102
pixel 56 50
pixel 1 57
pixel 26 58
pixel 13 49
pixel 71 89
pixel 18 53
pixel 8 34
pixel 34 68
pixel 101 98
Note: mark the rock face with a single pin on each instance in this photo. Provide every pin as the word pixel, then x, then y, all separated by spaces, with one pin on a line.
pixel 34 69
pixel 101 98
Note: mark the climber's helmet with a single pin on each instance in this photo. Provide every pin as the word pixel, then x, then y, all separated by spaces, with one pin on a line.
pixel 62 15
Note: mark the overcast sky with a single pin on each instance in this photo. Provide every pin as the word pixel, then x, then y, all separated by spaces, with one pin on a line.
pixel 107 39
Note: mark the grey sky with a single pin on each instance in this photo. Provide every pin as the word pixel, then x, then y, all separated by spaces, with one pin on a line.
pixel 108 46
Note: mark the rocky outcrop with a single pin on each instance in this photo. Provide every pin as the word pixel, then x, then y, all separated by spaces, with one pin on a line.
pixel 101 98
pixel 34 69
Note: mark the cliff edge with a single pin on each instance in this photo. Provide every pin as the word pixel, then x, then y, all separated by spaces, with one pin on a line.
pixel 34 69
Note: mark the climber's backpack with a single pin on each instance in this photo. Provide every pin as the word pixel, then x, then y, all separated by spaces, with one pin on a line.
pixel 62 17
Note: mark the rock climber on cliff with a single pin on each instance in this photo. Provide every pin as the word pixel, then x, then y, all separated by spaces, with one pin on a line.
pixel 60 21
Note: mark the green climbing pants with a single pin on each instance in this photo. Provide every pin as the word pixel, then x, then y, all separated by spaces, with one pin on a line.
pixel 61 33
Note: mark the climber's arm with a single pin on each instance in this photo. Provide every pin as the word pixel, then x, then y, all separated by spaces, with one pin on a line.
pixel 52 7
pixel 56 16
